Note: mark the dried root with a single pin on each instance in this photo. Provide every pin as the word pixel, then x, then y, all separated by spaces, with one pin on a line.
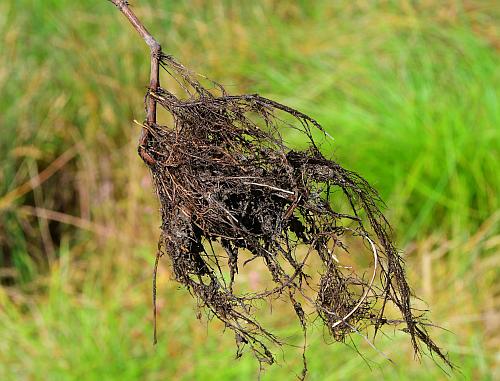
pixel 224 176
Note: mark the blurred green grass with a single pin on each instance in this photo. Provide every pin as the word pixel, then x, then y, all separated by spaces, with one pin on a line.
pixel 409 91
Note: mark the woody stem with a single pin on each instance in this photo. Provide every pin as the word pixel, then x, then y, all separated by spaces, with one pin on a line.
pixel 154 82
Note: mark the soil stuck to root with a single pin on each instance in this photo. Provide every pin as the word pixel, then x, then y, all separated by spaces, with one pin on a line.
pixel 224 176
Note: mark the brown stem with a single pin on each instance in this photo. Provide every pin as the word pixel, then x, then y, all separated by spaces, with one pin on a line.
pixel 154 81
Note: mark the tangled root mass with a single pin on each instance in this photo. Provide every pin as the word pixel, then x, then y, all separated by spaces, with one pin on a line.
pixel 224 175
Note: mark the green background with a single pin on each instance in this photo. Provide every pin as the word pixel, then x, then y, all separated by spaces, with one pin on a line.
pixel 409 90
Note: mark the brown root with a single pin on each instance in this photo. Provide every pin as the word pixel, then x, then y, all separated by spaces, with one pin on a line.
pixel 225 176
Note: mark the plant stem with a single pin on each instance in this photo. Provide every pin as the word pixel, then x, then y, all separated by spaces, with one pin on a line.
pixel 154 82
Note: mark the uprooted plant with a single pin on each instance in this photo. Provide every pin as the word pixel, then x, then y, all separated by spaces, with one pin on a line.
pixel 224 176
